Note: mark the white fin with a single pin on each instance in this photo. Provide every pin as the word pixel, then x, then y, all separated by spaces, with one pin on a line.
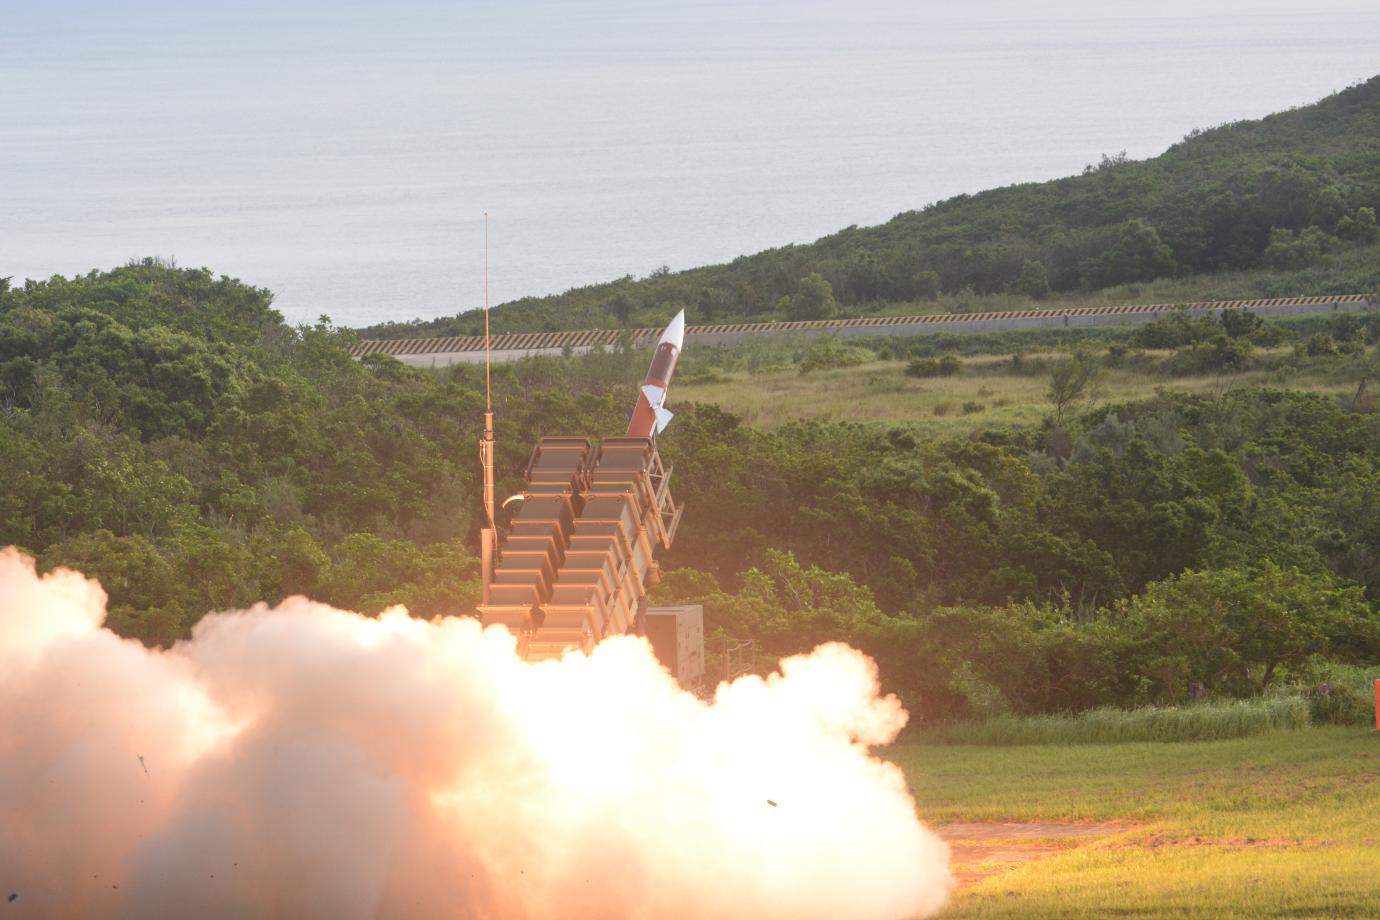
pixel 655 395
pixel 663 418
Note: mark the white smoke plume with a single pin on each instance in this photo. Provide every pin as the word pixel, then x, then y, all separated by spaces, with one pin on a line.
pixel 303 761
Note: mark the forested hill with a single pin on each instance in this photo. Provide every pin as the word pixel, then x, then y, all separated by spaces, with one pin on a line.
pixel 1285 192
pixel 165 431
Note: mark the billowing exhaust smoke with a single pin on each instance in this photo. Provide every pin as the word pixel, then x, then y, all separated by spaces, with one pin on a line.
pixel 302 761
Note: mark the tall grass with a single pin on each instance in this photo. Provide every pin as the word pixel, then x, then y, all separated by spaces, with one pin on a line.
pixel 1201 722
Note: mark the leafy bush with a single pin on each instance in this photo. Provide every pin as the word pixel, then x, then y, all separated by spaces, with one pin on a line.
pixel 829 353
pixel 1341 705
pixel 1320 346
pixel 947 366
pixel 1221 354
pixel 1176 330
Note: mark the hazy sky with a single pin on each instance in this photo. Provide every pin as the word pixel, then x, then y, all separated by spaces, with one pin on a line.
pixel 340 153
pixel 157 14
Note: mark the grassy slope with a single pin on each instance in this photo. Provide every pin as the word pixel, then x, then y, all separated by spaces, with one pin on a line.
pixel 1283 824
pixel 881 392
pixel 1213 199
pixel 1351 271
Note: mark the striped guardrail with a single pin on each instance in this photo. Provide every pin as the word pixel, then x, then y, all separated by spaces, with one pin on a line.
pixel 511 345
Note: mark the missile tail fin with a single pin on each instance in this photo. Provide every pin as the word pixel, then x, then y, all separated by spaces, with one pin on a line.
pixel 655 395
pixel 663 418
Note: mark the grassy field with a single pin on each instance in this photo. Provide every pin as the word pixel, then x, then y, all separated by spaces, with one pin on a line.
pixel 1285 824
pixel 1212 721
pixel 881 392
pixel 1352 271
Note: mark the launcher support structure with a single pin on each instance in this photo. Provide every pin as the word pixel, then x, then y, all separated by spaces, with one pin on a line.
pixel 581 550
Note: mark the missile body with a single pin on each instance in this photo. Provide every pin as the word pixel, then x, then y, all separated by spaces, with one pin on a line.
pixel 650 415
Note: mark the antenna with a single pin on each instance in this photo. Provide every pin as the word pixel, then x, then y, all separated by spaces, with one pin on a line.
pixel 488 393
pixel 488 536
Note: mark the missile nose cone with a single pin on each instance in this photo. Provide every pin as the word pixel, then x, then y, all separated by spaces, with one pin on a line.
pixel 675 332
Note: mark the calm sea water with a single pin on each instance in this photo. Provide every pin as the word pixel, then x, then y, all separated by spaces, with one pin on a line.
pixel 342 154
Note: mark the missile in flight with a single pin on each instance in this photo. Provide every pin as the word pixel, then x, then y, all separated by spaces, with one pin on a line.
pixel 650 416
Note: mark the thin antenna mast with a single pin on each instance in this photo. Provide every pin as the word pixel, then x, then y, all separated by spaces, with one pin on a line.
pixel 488 545
pixel 488 393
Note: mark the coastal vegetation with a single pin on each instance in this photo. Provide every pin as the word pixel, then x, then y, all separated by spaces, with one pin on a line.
pixel 1193 522
pixel 1272 207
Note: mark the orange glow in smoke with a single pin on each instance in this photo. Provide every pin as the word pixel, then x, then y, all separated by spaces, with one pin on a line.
pixel 304 761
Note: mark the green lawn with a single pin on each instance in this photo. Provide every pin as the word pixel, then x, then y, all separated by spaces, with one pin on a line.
pixel 1285 824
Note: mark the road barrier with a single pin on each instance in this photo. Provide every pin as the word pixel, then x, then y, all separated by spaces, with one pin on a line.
pixel 439 351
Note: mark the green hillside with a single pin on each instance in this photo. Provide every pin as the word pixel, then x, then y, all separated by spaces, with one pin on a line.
pixel 167 432
pixel 1290 193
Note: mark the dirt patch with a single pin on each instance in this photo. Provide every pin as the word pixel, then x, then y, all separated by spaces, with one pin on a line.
pixel 1039 830
pixel 982 850
pixel 1163 840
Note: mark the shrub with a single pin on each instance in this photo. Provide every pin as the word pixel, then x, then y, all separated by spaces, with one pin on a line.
pixel 1340 704
pixel 946 366
pixel 1233 631
pixel 1320 346
pixel 1222 354
pixel 1176 330
pixel 1240 323
pixel 922 367
pixel 825 354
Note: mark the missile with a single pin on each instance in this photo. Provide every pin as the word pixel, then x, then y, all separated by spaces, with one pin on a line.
pixel 650 416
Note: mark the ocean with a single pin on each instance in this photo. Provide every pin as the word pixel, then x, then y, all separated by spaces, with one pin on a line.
pixel 342 154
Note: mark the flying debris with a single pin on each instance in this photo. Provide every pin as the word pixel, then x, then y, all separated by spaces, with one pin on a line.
pixel 580 553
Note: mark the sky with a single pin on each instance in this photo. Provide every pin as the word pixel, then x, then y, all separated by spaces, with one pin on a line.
pixel 341 153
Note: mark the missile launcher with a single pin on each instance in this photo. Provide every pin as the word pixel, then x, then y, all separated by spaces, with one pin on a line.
pixel 581 549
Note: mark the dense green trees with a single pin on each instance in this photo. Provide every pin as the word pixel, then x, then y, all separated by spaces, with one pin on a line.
pixel 1093 513
pixel 1283 191
pixel 814 299
pixel 166 432
pixel 1199 634
pixel 1033 281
